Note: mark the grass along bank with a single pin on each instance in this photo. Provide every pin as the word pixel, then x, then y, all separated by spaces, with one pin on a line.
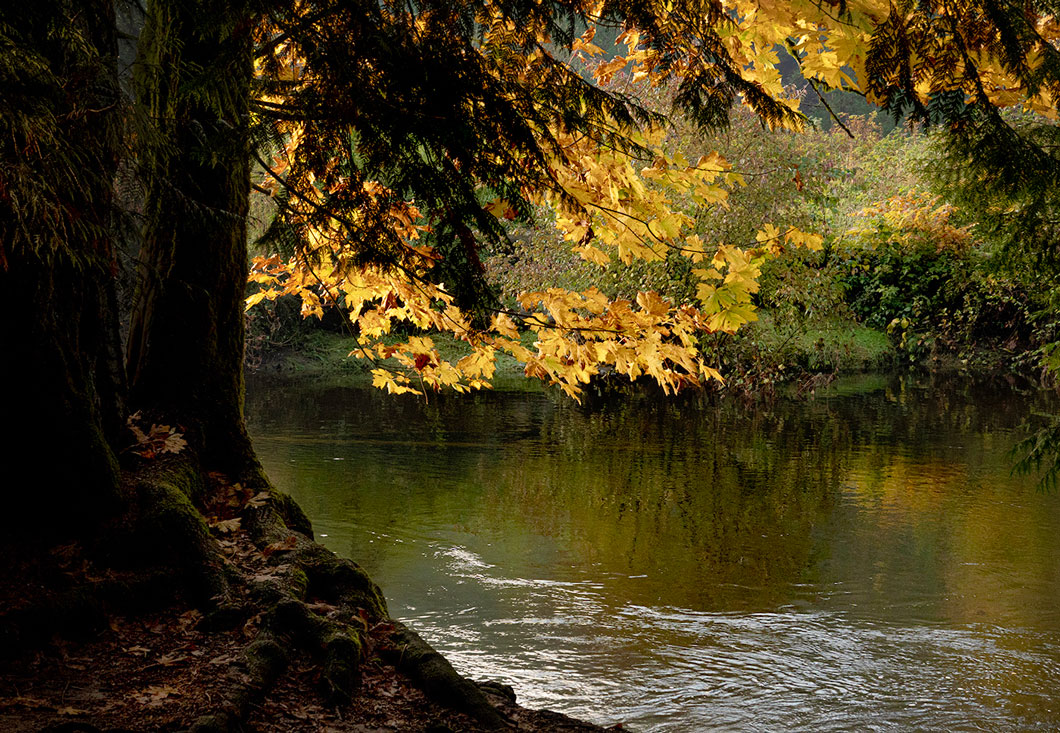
pixel 764 351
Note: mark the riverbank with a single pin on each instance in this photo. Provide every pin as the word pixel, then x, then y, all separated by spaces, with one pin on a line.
pixel 696 563
pixel 327 354
pixel 172 667
pixel 826 346
pixel 765 356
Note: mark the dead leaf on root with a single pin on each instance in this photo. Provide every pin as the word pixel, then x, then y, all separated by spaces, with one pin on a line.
pixel 156 440
pixel 224 526
pixel 71 711
pixel 265 577
pixel 283 546
pixel 324 609
pixel 260 499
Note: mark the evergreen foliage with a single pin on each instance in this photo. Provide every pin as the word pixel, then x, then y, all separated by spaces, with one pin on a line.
pixel 57 90
pixel 1001 167
pixel 1004 166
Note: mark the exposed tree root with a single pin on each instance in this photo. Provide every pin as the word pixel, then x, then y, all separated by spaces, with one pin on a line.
pixel 436 676
pixel 313 572
pixel 246 559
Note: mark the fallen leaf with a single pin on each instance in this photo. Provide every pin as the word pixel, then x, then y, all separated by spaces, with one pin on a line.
pixel 225 526
pixel 283 546
pixel 251 626
pixel 264 577
pixel 174 443
pixel 71 711
pixel 156 694
pixel 260 499
pixel 234 495
pixel 159 439
pixel 227 546
pixel 189 618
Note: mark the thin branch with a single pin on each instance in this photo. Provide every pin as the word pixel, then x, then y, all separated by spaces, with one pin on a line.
pixel 831 112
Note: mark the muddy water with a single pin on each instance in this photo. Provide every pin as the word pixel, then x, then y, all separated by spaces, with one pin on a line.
pixel 860 561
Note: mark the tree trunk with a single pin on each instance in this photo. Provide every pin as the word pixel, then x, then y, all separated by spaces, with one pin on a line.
pixel 185 350
pixel 60 138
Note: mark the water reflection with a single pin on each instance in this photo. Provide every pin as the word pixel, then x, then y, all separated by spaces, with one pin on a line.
pixel 855 562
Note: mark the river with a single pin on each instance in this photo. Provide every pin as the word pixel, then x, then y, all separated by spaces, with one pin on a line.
pixel 862 560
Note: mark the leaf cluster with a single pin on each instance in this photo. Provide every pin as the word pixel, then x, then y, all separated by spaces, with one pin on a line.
pixel 449 104
pixel 959 65
pixel 60 136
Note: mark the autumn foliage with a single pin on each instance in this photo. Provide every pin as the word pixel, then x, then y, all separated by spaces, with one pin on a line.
pixel 617 189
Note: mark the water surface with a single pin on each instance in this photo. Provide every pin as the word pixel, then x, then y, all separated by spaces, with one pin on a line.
pixel 854 562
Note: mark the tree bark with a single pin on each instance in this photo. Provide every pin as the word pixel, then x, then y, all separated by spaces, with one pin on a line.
pixel 185 349
pixel 60 141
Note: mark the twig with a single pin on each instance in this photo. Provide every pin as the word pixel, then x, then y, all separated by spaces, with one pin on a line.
pixel 813 85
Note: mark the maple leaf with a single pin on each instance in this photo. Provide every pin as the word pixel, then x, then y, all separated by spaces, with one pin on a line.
pixel 173 442
pixel 281 546
pixel 608 69
pixel 171 659
pixel 158 439
pixel 155 695
pixel 70 711
pixel 260 499
pixel 224 526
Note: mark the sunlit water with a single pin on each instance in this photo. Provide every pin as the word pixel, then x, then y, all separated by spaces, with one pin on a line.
pixel 857 562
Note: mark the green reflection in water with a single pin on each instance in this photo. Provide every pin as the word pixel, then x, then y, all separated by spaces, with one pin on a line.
pixel 684 564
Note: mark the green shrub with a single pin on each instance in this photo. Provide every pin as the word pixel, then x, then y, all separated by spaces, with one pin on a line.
pixel 928 282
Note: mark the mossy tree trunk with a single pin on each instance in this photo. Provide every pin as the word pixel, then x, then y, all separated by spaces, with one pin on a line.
pixel 185 349
pixel 60 141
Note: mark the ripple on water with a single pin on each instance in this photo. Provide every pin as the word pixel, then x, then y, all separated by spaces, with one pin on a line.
pixel 667 669
pixel 814 567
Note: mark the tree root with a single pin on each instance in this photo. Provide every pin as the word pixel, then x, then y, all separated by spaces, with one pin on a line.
pixel 295 597
pixel 252 676
pixel 301 570
pixel 436 677
pixel 168 531
pixel 314 576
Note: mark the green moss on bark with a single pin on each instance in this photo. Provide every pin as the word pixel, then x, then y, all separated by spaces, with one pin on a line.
pixel 186 335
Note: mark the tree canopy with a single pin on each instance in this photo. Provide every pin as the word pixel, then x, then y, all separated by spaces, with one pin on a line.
pixel 394 140
pixel 382 211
